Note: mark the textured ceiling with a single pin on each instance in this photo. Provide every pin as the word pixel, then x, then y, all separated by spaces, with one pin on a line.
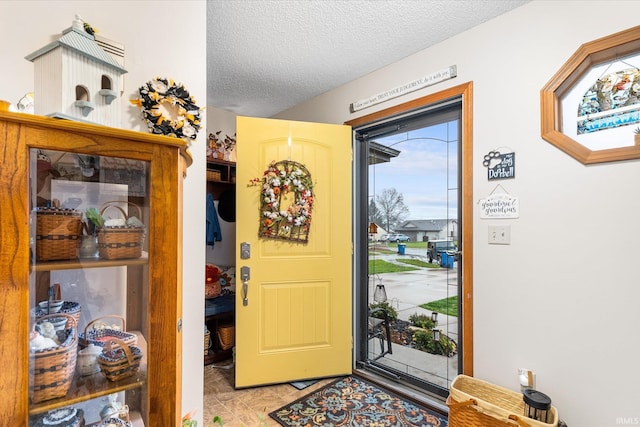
pixel 265 56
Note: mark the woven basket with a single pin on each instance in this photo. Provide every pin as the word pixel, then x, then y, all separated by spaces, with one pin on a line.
pixel 214 175
pixel 473 402
pixel 120 242
pixel 226 336
pixel 57 233
pixel 207 341
pixel 101 333
pixel 119 360
pixel 114 422
pixel 51 370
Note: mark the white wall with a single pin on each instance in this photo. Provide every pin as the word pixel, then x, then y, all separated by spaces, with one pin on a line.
pixel 562 299
pixel 161 39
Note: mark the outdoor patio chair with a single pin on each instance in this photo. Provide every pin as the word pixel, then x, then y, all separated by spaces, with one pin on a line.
pixel 380 329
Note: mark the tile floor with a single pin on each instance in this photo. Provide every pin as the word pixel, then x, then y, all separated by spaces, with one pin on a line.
pixel 246 407
pixel 250 407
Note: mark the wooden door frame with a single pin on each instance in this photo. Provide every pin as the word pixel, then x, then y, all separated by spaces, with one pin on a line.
pixel 465 92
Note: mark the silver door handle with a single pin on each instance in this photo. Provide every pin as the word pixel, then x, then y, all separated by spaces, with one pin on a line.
pixel 245 275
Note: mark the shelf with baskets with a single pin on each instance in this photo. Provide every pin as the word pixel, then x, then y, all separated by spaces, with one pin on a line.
pixel 65 269
pixel 221 171
pixel 219 304
pixel 219 320
pixel 84 388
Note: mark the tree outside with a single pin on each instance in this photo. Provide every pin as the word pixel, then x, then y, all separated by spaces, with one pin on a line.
pixel 389 208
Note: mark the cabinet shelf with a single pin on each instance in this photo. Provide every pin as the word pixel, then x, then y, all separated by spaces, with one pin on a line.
pixel 221 171
pixel 90 263
pixel 219 311
pixel 84 388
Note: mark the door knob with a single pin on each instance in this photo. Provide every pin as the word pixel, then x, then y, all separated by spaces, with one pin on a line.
pixel 245 275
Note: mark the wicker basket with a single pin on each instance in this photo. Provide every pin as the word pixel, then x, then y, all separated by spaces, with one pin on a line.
pixel 120 242
pixel 473 402
pixel 57 233
pixel 51 370
pixel 207 341
pixel 102 333
pixel 226 336
pixel 119 360
pixel 214 175
pixel 114 422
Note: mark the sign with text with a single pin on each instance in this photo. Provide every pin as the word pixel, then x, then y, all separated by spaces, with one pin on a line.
pixel 500 205
pixel 500 166
pixel 422 82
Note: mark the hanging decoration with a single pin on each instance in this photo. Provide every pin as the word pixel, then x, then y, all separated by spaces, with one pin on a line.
pixel 286 201
pixel 219 148
pixel 168 109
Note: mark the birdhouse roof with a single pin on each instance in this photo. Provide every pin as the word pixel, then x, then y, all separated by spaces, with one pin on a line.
pixel 78 40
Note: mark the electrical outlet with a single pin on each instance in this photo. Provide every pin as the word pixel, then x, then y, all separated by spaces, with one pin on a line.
pixel 499 234
pixel 527 379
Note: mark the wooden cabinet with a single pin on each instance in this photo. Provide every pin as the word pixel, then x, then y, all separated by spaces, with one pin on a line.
pixel 76 165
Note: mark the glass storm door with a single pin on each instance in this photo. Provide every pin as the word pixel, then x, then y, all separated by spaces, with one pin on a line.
pixel 409 200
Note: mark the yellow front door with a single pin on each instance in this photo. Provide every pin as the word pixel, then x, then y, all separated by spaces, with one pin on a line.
pixel 293 229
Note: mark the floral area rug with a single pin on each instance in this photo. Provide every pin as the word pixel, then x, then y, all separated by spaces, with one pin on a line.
pixel 352 401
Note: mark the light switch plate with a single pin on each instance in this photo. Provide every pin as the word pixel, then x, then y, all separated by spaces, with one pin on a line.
pixel 499 234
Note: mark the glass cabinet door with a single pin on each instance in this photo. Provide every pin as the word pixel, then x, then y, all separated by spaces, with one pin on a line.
pixel 88 289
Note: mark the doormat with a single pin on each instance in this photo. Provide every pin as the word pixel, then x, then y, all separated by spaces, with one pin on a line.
pixel 301 385
pixel 352 401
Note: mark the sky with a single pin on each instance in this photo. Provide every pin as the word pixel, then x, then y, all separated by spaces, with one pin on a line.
pixel 419 172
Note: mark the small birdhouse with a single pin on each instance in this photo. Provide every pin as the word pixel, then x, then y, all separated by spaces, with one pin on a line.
pixel 373 228
pixel 75 78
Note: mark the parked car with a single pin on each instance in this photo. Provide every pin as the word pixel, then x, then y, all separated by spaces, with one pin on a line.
pixel 383 238
pixel 436 247
pixel 398 238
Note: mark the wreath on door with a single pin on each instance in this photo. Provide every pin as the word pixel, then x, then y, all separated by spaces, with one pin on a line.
pixel 286 201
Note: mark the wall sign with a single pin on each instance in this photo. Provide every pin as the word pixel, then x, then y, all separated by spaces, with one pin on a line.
pixel 500 166
pixel 500 205
pixel 422 82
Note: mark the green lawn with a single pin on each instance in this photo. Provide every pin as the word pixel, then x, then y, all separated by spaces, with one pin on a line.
pixel 393 245
pixel 448 306
pixel 383 252
pixel 417 263
pixel 378 266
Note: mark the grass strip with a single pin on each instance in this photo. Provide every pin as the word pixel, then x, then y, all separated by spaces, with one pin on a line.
pixel 448 306
pixel 378 266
